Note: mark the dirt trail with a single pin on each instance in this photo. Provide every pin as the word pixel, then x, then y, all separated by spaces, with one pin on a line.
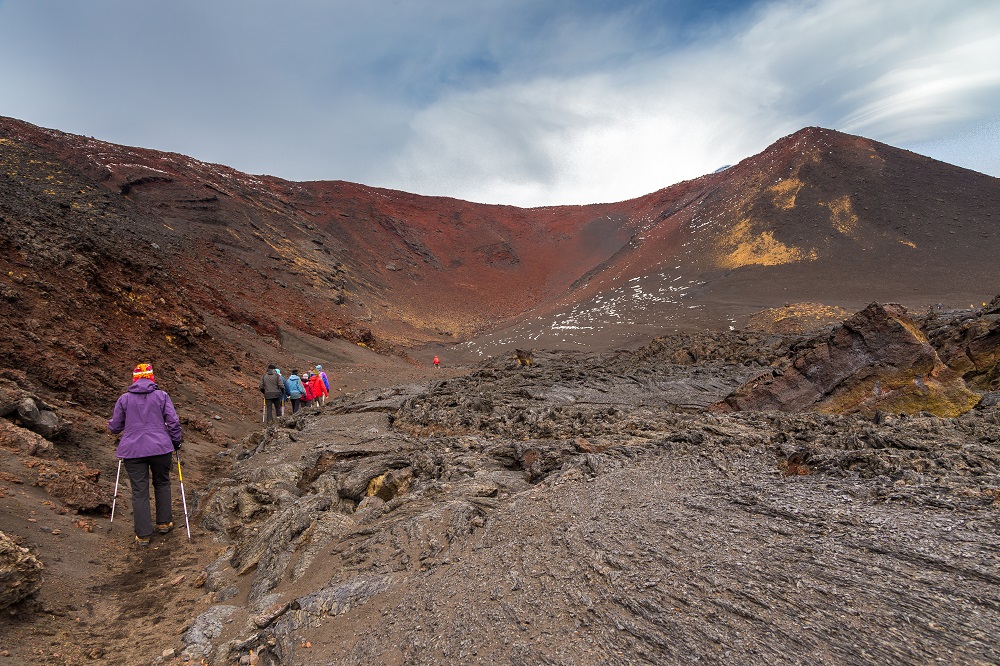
pixel 102 599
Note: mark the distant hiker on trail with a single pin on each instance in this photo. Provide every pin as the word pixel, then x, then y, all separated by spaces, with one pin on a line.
pixel 296 391
pixel 317 389
pixel 273 388
pixel 151 432
pixel 284 395
pixel 437 362
pixel 322 375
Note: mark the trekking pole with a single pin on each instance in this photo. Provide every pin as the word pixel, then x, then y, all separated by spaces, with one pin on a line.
pixel 180 477
pixel 114 500
pixel 263 414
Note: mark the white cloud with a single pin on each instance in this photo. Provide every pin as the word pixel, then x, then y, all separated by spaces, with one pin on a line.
pixel 527 102
pixel 895 71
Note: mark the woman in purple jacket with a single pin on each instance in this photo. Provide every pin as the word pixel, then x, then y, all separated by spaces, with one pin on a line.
pixel 151 432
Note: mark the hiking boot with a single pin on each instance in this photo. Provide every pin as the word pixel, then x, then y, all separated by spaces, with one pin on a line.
pixel 164 528
pixel 141 541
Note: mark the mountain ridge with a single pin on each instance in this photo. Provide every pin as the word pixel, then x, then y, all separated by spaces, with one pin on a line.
pixel 393 269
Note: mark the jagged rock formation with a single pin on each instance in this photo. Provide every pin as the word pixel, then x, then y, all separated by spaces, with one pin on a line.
pixel 586 509
pixel 877 359
pixel 970 345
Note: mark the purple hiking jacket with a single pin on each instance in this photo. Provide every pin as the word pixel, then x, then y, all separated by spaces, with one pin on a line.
pixel 147 420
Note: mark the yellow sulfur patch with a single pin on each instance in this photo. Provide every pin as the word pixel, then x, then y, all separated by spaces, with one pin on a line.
pixel 763 249
pixel 842 215
pixel 784 193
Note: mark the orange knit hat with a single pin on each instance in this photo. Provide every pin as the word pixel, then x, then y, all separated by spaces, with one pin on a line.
pixel 143 371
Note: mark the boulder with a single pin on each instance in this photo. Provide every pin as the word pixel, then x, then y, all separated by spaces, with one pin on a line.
pixel 45 422
pixel 18 439
pixel 877 359
pixel 20 572
pixel 29 410
pixel 74 484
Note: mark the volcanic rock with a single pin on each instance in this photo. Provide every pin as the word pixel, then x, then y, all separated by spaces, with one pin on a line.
pixel 205 627
pixel 876 360
pixel 45 422
pixel 575 511
pixel 75 484
pixel 20 572
pixel 23 440
pixel 29 410
pixel 969 342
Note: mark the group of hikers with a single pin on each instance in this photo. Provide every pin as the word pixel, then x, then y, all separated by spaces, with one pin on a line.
pixel 301 391
pixel 151 435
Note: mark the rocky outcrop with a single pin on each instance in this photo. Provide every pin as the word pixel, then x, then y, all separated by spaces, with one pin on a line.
pixel 21 440
pixel 969 342
pixel 207 626
pixel 29 411
pixel 75 484
pixel 507 539
pixel 20 572
pixel 876 360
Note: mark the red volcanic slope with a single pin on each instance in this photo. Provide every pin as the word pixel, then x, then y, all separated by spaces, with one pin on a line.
pixel 407 267
pixel 818 216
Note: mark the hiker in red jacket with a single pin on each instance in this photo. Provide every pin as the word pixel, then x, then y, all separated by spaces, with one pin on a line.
pixel 437 362
pixel 310 394
pixel 317 389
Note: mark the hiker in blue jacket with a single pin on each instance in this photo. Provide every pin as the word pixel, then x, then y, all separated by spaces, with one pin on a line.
pixel 296 391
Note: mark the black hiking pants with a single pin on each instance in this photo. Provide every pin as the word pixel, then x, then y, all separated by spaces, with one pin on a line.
pixel 273 409
pixel 139 471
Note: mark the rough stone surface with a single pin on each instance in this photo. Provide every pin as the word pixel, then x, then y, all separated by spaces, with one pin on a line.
pixel 20 573
pixel 878 359
pixel 23 440
pixel 204 629
pixel 581 510
pixel 74 484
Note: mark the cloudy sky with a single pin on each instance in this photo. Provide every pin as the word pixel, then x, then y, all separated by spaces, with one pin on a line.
pixel 526 102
